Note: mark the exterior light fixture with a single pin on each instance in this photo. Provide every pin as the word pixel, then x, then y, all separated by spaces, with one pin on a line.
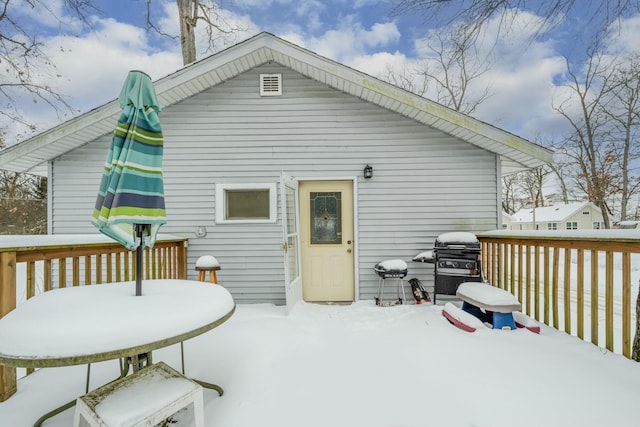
pixel 368 172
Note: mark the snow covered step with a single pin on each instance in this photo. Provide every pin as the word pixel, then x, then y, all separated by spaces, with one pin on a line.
pixel 144 398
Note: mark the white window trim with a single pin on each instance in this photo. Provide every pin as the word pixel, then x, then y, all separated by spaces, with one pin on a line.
pixel 220 203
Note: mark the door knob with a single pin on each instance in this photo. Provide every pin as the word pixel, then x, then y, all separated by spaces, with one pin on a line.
pixel 349 250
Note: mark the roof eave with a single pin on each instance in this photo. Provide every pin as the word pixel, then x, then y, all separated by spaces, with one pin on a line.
pixel 516 153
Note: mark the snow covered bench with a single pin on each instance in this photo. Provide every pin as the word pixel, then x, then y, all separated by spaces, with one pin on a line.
pixel 144 398
pixel 500 303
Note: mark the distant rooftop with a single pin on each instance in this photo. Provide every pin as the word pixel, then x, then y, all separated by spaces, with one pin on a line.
pixel 548 213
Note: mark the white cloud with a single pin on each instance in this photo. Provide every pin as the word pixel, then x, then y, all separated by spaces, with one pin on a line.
pixel 377 64
pixel 45 15
pixel 522 97
pixel 623 36
pixel 96 64
pixel 91 69
pixel 350 40
pixel 520 78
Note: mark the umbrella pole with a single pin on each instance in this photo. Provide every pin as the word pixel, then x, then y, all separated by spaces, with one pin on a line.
pixel 139 232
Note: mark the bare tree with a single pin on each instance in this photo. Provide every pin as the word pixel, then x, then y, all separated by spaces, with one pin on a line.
pixel 190 13
pixel 23 203
pixel 453 67
pixel 28 72
pixel 532 182
pixel 624 112
pixel 450 70
pixel 475 13
pixel 525 189
pixel 561 168
pixel 510 194
pixel 589 145
pixel 15 185
pixel 405 79
pixel 635 353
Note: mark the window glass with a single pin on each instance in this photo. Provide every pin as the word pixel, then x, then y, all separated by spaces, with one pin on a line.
pixel 247 204
pixel 572 225
pixel 325 212
pixel 250 203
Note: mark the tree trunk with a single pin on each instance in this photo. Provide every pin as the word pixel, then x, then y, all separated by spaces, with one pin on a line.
pixel 635 354
pixel 187 29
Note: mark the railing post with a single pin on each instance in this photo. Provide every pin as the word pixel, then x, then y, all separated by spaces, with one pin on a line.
pixel 8 381
pixel 182 260
pixel 626 304
pixel 608 297
pixel 567 290
pixel 595 298
pixel 580 292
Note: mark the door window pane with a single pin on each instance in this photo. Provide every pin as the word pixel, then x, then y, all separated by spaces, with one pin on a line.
pixel 290 199
pixel 325 212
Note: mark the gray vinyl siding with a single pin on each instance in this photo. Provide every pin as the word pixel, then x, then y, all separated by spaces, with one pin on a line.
pixel 424 182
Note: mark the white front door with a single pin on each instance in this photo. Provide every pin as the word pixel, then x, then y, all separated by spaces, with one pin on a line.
pixel 326 240
pixel 290 239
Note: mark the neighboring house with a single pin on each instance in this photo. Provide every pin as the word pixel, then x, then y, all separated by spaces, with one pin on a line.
pixel 506 220
pixel 265 129
pixel 572 216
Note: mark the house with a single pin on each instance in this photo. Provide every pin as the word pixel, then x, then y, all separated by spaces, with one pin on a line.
pixel 266 148
pixel 572 216
pixel 506 220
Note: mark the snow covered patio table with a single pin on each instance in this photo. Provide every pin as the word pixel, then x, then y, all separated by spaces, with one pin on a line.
pixel 88 324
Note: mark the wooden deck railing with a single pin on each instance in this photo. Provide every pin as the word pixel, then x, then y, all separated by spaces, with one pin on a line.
pixel 73 261
pixel 570 283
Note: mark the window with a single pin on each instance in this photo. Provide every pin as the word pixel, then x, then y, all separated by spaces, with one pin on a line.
pixel 572 225
pixel 325 210
pixel 586 213
pixel 270 84
pixel 598 225
pixel 245 203
pixel 552 226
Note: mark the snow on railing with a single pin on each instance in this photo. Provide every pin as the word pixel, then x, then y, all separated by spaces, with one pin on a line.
pixel 570 280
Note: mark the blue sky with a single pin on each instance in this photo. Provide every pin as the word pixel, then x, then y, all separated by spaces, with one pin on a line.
pixel 526 74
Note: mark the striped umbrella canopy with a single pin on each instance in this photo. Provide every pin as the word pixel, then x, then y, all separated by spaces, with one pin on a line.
pixel 130 204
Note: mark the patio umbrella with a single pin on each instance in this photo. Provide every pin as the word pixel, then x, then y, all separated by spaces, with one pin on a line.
pixel 130 203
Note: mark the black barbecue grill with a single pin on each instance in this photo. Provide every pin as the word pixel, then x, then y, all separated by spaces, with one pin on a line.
pixel 456 259
pixel 391 269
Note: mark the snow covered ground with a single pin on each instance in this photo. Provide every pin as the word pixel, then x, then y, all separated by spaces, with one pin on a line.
pixel 363 365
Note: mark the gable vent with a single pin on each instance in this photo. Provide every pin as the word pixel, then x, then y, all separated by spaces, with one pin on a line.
pixel 270 84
